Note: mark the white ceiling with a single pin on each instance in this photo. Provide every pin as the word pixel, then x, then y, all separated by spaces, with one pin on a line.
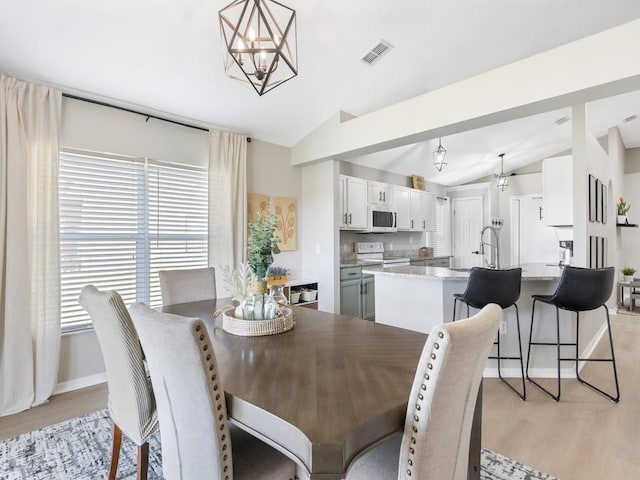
pixel 166 56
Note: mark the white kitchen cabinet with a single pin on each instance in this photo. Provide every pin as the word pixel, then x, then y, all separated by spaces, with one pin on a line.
pixel 353 203
pixel 429 210
pixel 416 202
pixel 379 193
pixel 401 206
pixel 557 189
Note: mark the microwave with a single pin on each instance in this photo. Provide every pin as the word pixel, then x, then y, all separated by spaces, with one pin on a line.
pixel 381 219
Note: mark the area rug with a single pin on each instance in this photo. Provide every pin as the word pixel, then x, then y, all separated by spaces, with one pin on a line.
pixel 80 448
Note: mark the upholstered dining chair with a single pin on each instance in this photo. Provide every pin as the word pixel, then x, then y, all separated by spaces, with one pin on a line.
pixel 182 286
pixel 132 406
pixel 197 441
pixel 437 431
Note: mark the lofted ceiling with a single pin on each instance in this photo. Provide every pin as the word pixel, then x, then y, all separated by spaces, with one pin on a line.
pixel 166 56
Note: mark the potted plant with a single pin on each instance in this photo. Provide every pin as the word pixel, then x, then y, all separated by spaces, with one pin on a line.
pixel 262 245
pixel 627 274
pixel 623 208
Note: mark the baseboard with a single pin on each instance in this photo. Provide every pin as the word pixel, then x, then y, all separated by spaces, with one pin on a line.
pixel 78 383
pixel 533 373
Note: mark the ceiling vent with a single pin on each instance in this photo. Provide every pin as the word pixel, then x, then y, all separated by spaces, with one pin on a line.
pixel 377 51
pixel 562 120
pixel 630 119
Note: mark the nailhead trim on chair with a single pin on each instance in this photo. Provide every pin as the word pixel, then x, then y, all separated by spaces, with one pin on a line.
pixel 418 407
pixel 220 407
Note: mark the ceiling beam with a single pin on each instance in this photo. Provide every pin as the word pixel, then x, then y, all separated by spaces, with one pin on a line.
pixel 594 67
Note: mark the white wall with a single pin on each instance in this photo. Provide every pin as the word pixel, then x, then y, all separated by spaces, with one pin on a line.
pixel 269 172
pixel 320 249
pixel 629 238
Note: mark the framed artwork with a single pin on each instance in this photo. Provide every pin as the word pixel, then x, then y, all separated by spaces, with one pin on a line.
pixel 592 198
pixel 418 182
pixel 605 202
pixel 285 211
pixel 602 252
pixel 598 200
pixel 593 251
pixel 255 203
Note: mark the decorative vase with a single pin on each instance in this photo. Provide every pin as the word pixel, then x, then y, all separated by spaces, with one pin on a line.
pixel 627 278
pixel 621 219
pixel 259 304
pixel 277 292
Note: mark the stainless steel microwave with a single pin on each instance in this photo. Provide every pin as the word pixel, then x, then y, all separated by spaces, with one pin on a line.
pixel 381 219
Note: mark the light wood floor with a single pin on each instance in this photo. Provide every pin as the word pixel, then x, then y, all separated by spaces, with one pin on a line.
pixel 583 437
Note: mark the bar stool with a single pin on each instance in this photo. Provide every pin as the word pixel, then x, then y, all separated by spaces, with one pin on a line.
pixel 580 290
pixel 501 287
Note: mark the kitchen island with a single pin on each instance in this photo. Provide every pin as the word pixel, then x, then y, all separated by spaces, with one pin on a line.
pixel 419 298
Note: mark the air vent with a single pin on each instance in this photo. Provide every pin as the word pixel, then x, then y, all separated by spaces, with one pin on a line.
pixel 630 119
pixel 378 50
pixel 562 120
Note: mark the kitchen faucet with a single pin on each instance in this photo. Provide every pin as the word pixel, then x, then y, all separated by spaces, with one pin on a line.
pixel 495 247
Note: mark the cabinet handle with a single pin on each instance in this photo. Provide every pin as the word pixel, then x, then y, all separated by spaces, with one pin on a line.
pixel 424 224
pixel 395 219
pixel 349 219
pixel 384 196
pixel 411 223
pixel 540 212
pixel 345 218
pixel 380 196
pixel 366 288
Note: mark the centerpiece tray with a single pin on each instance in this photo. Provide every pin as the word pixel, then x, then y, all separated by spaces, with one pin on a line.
pixel 283 322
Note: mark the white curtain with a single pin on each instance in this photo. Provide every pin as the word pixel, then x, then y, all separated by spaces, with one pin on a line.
pixel 29 246
pixel 227 200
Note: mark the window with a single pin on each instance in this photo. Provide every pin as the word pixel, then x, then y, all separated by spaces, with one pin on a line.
pixel 121 220
pixel 442 239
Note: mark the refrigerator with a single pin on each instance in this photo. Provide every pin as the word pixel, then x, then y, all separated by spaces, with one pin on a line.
pixel 531 240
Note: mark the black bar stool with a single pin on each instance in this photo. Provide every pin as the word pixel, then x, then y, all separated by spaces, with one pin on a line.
pixel 501 287
pixel 580 290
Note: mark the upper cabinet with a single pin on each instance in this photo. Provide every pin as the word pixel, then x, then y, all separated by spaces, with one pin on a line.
pixel 557 189
pixel 416 209
pixel 402 207
pixel 353 203
pixel 380 193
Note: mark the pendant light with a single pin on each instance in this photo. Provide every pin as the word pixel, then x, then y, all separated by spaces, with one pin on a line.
pixel 260 42
pixel 502 182
pixel 439 156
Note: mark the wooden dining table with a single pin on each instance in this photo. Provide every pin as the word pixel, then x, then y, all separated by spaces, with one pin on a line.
pixel 324 392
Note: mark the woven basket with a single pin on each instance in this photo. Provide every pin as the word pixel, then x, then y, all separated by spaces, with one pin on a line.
pixel 253 328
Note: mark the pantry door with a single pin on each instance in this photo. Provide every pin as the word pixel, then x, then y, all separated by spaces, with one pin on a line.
pixel 467 225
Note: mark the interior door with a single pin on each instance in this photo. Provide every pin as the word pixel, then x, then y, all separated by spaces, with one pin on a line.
pixel 532 241
pixel 467 225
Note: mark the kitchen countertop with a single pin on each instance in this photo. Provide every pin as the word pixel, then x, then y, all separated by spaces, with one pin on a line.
pixel 359 263
pixel 530 272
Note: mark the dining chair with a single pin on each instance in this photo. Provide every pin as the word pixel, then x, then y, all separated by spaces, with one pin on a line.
pixel 437 430
pixel 502 287
pixel 197 440
pixel 131 402
pixel 579 290
pixel 182 286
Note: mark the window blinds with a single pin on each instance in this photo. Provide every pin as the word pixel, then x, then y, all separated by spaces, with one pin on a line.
pixel 442 243
pixel 123 219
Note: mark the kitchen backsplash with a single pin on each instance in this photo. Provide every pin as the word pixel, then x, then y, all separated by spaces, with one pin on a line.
pixel 406 244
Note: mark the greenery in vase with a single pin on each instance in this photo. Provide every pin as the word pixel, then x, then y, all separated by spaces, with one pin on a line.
pixel 263 243
pixel 628 271
pixel 623 207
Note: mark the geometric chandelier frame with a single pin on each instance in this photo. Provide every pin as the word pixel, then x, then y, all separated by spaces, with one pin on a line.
pixel 260 38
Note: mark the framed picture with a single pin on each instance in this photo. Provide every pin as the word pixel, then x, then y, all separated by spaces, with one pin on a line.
pixel 592 198
pixel 418 182
pixel 602 252
pixel 593 251
pixel 598 200
pixel 605 202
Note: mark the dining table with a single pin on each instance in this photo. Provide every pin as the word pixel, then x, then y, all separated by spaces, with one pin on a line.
pixel 324 392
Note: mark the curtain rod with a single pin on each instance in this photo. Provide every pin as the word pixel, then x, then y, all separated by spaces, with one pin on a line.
pixel 148 115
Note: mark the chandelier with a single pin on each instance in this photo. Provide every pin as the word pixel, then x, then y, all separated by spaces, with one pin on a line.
pixel 439 156
pixel 502 182
pixel 260 39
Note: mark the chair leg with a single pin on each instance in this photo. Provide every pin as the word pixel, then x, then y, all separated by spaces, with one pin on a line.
pixel 115 451
pixel 555 397
pixel 615 398
pixel 455 300
pixel 143 461
pixel 523 395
